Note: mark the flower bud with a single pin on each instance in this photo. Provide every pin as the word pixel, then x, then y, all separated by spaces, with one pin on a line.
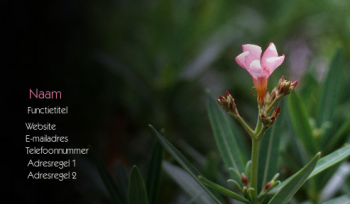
pixel 267 185
pixel 280 83
pixel 294 84
pixel 273 93
pixel 285 87
pixel 268 121
pixel 245 191
pixel 244 179
pixel 268 98
pixel 228 103
pixel 264 119
pixel 276 112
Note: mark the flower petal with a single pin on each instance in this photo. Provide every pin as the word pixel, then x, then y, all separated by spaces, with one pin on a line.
pixel 254 53
pixel 272 63
pixel 271 51
pixel 240 59
pixel 255 69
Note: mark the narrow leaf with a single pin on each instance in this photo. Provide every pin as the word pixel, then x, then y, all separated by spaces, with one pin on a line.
pixel 296 153
pixel 268 153
pixel 300 122
pixel 295 182
pixel 137 193
pixel 225 138
pixel 331 89
pixel 333 139
pixel 184 163
pixel 310 91
pixel 111 186
pixel 211 166
pixel 323 164
pixel 187 184
pixel 330 160
pixel 154 171
pixel 222 190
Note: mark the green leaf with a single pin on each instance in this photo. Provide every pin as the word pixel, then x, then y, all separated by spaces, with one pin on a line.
pixel 137 193
pixel 293 150
pixel 323 164
pixel 222 190
pixel 345 199
pixel 184 163
pixel 300 122
pixel 225 138
pixel 330 160
pixel 287 191
pixel 187 183
pixel 268 153
pixel 211 166
pixel 111 186
pixel 310 91
pixel 154 172
pixel 331 89
pixel 340 135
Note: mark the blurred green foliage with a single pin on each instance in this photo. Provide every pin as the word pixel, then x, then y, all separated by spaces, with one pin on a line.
pixel 151 61
pixel 158 57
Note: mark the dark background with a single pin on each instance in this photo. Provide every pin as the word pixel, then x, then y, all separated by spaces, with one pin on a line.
pixel 122 65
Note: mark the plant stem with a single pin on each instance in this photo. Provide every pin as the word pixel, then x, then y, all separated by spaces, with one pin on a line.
pixel 254 167
pixel 258 128
pixel 244 124
pixel 273 103
pixel 255 156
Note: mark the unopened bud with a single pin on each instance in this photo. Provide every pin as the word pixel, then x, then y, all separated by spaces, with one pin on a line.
pixel 268 121
pixel 263 118
pixel 228 103
pixel 273 93
pixel 268 98
pixel 280 83
pixel 275 177
pixel 276 112
pixel 267 185
pixel 285 87
pixel 292 86
pixel 281 79
pixel 245 191
pixel 244 179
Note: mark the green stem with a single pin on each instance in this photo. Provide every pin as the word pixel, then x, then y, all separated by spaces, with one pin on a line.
pixel 244 124
pixel 260 134
pixel 255 156
pixel 254 168
pixel 258 127
pixel 273 103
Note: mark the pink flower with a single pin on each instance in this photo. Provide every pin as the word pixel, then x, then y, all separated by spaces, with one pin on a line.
pixel 259 69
